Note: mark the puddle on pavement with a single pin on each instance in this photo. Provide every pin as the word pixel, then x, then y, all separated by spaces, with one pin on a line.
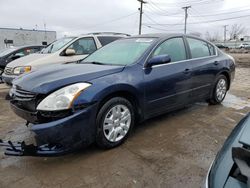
pixel 235 102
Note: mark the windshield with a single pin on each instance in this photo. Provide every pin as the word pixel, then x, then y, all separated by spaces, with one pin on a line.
pixel 7 51
pixel 120 52
pixel 57 45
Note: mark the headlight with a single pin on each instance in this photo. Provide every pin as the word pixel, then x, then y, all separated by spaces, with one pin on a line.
pixel 63 98
pixel 21 70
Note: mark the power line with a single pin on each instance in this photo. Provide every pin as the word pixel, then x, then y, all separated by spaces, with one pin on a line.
pixel 192 3
pixel 209 21
pixel 217 14
pixel 152 27
pixel 114 20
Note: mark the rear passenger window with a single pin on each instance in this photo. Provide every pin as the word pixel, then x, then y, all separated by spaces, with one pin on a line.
pixel 174 48
pixel 198 48
pixel 104 40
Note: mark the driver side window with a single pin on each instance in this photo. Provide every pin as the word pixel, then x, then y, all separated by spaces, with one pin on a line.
pixel 173 47
pixel 83 46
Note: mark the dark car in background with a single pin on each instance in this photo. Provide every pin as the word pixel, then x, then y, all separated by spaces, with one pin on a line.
pixel 222 46
pixel 102 97
pixel 9 54
pixel 231 167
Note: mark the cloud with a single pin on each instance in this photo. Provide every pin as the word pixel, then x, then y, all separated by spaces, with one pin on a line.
pixel 77 16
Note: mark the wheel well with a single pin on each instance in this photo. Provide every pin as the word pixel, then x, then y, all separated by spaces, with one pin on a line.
pixel 127 95
pixel 226 74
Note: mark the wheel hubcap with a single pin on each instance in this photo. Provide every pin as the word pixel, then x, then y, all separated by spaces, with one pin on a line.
pixel 221 89
pixel 117 123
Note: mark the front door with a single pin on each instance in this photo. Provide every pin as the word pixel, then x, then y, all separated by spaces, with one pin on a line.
pixel 168 86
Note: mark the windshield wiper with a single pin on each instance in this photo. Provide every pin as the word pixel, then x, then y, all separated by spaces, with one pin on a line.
pixel 98 63
pixel 94 62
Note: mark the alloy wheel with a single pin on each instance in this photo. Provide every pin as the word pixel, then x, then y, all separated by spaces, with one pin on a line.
pixel 117 123
pixel 221 89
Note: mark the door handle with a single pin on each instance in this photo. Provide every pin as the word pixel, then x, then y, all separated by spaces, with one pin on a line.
pixel 216 63
pixel 186 71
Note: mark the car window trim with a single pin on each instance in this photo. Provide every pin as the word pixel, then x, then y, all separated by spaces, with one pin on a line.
pixel 188 49
pixel 182 61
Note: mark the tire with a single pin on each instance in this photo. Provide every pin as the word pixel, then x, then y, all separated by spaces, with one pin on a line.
pixel 1 72
pixel 220 90
pixel 114 122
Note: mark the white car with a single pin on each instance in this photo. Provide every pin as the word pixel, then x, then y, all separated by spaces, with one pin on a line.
pixel 65 50
pixel 244 45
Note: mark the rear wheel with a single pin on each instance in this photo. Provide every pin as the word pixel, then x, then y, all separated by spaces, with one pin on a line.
pixel 114 122
pixel 220 90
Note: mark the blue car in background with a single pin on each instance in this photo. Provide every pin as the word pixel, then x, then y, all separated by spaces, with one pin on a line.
pixel 101 98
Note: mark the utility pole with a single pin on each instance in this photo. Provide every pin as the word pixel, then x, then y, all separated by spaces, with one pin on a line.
pixel 225 33
pixel 141 12
pixel 186 16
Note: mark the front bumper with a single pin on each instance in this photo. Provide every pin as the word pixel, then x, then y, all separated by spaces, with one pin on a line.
pixel 8 79
pixel 58 137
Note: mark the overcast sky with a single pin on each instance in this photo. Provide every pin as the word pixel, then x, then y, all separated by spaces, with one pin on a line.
pixel 72 17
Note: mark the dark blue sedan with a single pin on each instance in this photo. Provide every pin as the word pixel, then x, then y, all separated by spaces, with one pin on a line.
pixel 130 80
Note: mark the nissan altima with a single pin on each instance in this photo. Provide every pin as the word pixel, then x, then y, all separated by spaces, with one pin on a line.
pixel 100 99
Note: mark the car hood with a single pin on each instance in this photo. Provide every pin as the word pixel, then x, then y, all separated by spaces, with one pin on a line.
pixel 29 60
pixel 53 77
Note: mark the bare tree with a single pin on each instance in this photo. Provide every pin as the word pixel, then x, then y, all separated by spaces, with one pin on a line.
pixel 236 30
pixel 215 37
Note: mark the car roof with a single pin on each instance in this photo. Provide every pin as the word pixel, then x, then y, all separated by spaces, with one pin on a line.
pixel 108 34
pixel 159 35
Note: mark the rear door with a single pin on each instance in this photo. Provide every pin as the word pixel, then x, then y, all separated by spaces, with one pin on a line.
pixel 167 86
pixel 203 67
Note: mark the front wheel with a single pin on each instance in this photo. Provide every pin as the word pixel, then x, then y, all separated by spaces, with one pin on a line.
pixel 220 90
pixel 114 122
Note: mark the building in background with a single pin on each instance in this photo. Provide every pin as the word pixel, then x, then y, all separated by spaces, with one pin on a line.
pixel 21 37
pixel 246 38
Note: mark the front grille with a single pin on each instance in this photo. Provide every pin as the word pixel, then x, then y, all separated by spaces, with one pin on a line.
pixel 21 95
pixel 8 70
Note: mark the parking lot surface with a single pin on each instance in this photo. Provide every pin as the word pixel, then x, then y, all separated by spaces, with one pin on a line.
pixel 172 150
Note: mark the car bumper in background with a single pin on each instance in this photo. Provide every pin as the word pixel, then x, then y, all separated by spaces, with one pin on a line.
pixel 58 137
pixel 8 78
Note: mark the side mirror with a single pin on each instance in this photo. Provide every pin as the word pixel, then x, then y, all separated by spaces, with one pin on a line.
pixel 70 52
pixel 158 60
